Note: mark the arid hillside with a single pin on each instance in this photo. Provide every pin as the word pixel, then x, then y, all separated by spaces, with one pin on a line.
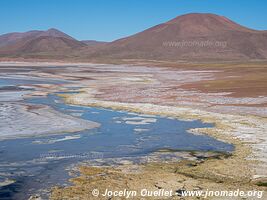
pixel 191 37
pixel 34 43
pixel 199 37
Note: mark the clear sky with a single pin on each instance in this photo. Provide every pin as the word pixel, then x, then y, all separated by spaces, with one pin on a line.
pixel 107 20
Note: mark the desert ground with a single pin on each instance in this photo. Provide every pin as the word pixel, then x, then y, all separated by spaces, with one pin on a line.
pixel 232 96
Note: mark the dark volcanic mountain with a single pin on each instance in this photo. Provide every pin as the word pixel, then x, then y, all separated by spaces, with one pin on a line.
pixel 191 36
pixel 36 42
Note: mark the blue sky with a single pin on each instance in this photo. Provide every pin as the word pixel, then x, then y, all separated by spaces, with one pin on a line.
pixel 107 20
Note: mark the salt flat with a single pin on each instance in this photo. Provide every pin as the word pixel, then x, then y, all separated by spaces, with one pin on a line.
pixel 20 120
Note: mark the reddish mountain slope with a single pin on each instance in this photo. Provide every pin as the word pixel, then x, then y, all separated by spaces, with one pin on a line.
pixel 11 38
pixel 191 36
pixel 48 41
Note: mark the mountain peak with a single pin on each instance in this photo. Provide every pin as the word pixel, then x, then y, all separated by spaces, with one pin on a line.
pixel 196 15
pixel 199 17
pixel 206 22
pixel 56 33
pixel 53 29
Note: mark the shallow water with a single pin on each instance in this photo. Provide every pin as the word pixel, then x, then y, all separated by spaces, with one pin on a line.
pixel 117 135
pixel 37 163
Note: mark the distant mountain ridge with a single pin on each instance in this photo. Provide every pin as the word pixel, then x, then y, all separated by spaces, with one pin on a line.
pixel 37 42
pixel 194 36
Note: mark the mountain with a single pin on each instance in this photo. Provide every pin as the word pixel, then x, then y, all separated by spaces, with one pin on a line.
pixel 56 33
pixel 195 36
pixel 36 42
pixel 191 36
